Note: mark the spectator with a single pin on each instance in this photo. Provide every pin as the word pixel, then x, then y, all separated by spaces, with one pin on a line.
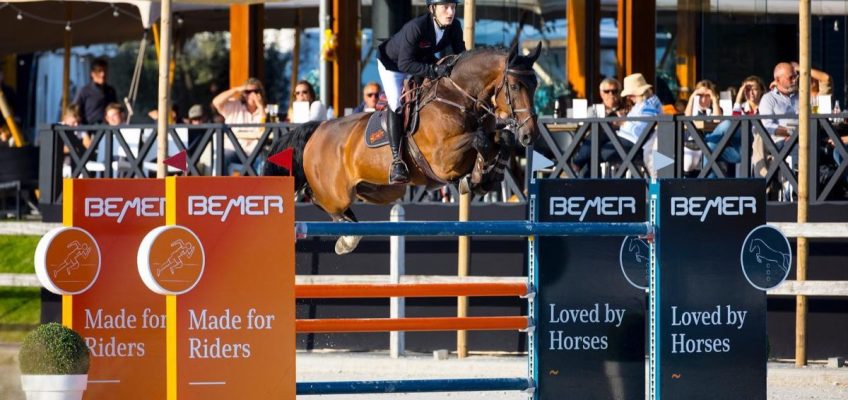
pixel 247 108
pixel 370 96
pixel 71 117
pixel 93 97
pixel 6 139
pixel 704 100
pixel 610 90
pixel 172 118
pixel 747 103
pixel 611 96
pixel 114 114
pixel 781 100
pixel 304 92
pixel 196 116
pixel 645 104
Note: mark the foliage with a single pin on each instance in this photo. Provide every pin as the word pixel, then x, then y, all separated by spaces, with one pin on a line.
pixel 52 349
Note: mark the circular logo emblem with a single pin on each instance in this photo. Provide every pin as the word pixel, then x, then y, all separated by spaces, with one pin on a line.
pixel 67 260
pixel 634 257
pixel 766 257
pixel 171 260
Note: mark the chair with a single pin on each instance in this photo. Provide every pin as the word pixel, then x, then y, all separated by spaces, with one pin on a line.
pixel 18 175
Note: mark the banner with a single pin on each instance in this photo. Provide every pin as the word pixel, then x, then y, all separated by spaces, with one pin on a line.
pixel 226 261
pixel 122 322
pixel 711 328
pixel 591 319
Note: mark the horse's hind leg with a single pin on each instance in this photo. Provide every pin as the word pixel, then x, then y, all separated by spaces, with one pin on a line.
pixel 346 244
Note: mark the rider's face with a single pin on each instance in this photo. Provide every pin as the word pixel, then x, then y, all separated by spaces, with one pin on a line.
pixel 445 13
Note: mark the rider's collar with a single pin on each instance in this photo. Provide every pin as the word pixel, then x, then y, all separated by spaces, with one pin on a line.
pixel 437 24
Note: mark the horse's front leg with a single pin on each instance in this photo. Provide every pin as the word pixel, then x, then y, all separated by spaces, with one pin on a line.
pixel 346 244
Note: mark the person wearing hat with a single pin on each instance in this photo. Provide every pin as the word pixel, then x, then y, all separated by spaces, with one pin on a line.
pixel 412 51
pixel 645 104
pixel 196 116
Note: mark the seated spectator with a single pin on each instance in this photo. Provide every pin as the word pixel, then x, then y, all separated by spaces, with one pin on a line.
pixel 645 104
pixel 610 90
pixel 71 117
pixel 6 139
pixel 747 103
pixel 242 105
pixel 303 92
pixel 114 115
pixel 781 100
pixel 370 96
pixel 704 100
pixel 196 116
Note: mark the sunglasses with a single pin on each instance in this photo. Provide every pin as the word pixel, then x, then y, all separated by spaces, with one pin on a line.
pixel 249 91
pixel 370 94
pixel 299 92
pixel 610 91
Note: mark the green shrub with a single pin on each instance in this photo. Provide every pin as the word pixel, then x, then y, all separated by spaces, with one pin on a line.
pixel 52 349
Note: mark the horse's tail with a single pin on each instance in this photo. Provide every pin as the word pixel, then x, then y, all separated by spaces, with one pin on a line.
pixel 296 139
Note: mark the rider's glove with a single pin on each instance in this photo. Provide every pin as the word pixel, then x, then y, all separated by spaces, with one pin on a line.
pixel 438 71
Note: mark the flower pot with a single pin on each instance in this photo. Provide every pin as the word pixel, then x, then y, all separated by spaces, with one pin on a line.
pixel 54 387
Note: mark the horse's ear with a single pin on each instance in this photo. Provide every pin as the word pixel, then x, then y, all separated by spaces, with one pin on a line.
pixel 513 53
pixel 534 55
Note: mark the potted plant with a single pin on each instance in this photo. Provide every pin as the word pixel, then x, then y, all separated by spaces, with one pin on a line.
pixel 54 364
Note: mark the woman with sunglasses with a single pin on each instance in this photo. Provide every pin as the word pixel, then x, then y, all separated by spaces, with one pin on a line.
pixel 412 51
pixel 243 104
pixel 304 92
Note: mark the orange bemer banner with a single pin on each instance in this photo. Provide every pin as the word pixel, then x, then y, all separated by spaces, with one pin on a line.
pixel 122 321
pixel 234 334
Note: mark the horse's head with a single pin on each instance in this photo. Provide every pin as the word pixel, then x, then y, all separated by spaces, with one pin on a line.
pixel 514 97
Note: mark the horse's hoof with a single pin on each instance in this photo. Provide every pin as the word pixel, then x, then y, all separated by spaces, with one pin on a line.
pixel 464 185
pixel 347 244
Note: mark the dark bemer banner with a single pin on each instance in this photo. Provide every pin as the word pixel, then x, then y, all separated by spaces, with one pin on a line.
pixel 590 333
pixel 712 321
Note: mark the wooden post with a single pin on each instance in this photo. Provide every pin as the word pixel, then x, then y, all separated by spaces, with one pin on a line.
pixel 346 67
pixel 9 117
pixel 583 47
pixel 464 251
pixel 247 51
pixel 295 68
pixel 66 62
pixel 803 177
pixel 688 15
pixel 637 38
pixel 164 89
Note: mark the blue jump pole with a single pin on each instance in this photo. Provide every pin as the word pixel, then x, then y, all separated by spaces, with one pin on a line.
pixel 474 228
pixel 413 386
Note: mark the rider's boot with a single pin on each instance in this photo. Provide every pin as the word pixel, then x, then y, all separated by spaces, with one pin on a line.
pixel 398 173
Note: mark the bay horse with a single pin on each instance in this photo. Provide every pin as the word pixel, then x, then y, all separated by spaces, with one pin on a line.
pixel 486 87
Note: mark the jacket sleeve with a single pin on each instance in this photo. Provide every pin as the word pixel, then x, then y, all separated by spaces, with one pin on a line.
pixel 406 54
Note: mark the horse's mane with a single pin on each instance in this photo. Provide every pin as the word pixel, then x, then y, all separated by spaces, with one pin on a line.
pixel 478 50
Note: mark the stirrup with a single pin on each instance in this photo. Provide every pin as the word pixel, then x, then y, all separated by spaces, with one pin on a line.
pixel 398 172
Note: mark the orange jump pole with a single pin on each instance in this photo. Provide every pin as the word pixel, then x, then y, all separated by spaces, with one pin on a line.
pixel 410 324
pixel 354 291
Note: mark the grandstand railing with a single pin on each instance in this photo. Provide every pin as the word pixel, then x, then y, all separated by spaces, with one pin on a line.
pixel 129 151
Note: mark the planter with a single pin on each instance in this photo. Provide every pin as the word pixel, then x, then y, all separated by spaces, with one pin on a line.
pixel 54 387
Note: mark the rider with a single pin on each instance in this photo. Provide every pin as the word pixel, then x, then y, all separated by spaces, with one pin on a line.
pixel 412 51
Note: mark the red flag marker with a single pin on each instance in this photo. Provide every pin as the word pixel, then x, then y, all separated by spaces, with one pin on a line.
pixel 283 159
pixel 177 161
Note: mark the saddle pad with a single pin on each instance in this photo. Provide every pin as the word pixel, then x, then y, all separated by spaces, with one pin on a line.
pixel 375 132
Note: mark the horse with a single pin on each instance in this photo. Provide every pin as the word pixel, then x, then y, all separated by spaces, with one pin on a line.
pixel 486 88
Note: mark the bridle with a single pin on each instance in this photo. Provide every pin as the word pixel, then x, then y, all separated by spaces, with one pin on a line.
pixel 512 122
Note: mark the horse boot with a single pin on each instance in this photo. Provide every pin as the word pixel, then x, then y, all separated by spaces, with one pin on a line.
pixel 398 173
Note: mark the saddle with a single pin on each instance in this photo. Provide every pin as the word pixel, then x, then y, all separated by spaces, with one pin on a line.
pixel 375 131
pixel 410 101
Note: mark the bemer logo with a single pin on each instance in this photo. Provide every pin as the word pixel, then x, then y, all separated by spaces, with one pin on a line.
pixel 244 205
pixel 580 206
pixel 721 205
pixel 117 207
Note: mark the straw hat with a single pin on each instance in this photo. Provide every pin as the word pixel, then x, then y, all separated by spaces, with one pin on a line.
pixel 634 84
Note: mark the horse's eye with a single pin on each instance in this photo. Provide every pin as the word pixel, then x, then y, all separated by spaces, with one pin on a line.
pixel 513 87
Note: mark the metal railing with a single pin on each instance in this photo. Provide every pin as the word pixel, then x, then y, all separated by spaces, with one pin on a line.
pixel 128 151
